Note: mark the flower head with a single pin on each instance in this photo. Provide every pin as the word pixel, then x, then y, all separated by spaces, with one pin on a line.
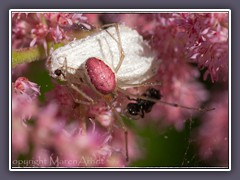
pixel 30 29
pixel 23 86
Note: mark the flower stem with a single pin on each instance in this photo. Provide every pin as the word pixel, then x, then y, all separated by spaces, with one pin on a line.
pixel 27 55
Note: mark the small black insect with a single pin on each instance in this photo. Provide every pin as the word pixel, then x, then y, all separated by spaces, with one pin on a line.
pixel 142 106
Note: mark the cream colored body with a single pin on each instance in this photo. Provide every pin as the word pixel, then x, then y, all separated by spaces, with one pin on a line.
pixel 139 63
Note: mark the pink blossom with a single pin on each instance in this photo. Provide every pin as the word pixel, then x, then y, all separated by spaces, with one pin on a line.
pixel 23 86
pixel 212 136
pixel 28 109
pixel 102 113
pixel 62 96
pixel 20 37
pixel 189 94
pixel 24 107
pixel 30 29
pixel 65 19
pixel 137 21
pixel 57 34
pixel 92 18
pixel 67 141
pixel 20 137
pixel 70 146
pixel 203 35
pixel 88 149
pixel 24 95
pixel 42 157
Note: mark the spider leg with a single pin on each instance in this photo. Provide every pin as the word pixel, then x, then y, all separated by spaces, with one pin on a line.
pixel 144 84
pixel 119 43
pixel 90 100
pixel 176 105
pixel 125 132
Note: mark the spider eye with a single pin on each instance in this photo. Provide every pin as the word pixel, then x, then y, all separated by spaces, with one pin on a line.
pixel 58 72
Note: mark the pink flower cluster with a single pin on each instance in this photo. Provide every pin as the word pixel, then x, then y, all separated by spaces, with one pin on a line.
pixel 204 39
pixel 29 29
pixel 61 135
pixel 68 134
pixel 24 106
pixel 201 38
pixel 212 136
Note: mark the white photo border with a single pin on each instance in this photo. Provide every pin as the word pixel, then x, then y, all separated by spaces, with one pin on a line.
pixel 118 168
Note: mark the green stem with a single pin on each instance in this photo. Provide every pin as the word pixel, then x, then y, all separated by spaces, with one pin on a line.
pixel 27 55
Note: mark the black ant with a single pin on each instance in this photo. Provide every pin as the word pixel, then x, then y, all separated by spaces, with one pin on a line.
pixel 143 106
pixel 145 103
